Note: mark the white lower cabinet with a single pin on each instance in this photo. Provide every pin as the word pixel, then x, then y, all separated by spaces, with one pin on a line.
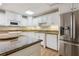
pixel 34 50
pixel 40 36
pixel 49 40
pixel 52 41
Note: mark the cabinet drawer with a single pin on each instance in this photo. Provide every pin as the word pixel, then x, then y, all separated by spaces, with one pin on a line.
pixel 68 49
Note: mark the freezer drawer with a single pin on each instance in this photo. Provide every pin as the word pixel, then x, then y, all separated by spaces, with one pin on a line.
pixel 65 49
pixel 68 49
pixel 61 49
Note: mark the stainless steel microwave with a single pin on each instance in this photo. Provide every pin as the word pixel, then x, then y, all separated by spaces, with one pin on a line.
pixel 14 22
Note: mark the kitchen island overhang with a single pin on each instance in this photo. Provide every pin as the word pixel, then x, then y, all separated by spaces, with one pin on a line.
pixel 20 48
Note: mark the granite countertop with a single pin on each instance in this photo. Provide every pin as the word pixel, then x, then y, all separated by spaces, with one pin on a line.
pixel 10 46
pixel 55 32
pixel 26 29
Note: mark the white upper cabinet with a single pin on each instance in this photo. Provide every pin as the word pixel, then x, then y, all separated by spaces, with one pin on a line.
pixel 3 20
pixel 36 21
pixel 30 21
pixel 18 17
pixel 53 18
pixel 24 22
pixel 44 19
pixel 10 16
pixel 65 7
pixel 68 7
pixel 75 6
pixel 49 19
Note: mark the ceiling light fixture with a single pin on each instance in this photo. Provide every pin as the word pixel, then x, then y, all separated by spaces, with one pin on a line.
pixel 29 12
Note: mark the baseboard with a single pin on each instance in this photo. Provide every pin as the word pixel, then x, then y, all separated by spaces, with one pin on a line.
pixel 50 48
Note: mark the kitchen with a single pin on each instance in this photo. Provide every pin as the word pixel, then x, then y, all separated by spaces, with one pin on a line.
pixel 34 29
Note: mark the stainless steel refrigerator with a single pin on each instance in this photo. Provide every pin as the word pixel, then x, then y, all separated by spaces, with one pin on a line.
pixel 69 34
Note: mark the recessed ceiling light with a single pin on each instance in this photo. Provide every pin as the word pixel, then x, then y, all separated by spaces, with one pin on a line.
pixel 29 12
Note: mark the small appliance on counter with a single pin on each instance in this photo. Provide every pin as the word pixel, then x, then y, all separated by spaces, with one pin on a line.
pixel 14 22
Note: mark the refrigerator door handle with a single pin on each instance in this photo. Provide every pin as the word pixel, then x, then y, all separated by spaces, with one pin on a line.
pixel 73 26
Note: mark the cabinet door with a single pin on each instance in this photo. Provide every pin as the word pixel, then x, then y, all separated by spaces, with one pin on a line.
pixel 3 20
pixel 36 21
pixel 30 21
pixel 65 49
pixel 18 17
pixel 68 49
pixel 54 18
pixel 75 50
pixel 23 22
pixel 10 15
pixel 75 6
pixel 65 7
pixel 52 41
pixel 44 19
pixel 13 16
pixel 40 36
pixel 61 49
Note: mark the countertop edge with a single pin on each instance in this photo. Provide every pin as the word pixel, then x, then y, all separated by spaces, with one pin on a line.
pixel 19 48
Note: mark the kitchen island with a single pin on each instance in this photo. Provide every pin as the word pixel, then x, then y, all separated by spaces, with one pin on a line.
pixel 22 46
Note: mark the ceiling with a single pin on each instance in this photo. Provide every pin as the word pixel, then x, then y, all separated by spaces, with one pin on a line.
pixel 37 8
